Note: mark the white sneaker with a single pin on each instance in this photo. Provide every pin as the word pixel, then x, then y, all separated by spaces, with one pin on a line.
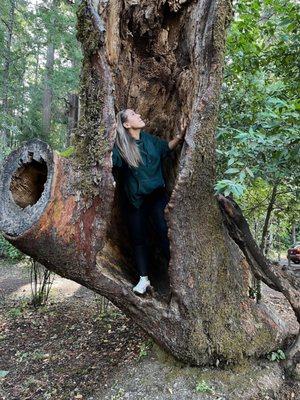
pixel 141 287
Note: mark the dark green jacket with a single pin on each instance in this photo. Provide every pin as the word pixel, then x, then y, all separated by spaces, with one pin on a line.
pixel 148 176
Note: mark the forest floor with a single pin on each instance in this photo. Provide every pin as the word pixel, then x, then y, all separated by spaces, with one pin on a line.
pixel 68 350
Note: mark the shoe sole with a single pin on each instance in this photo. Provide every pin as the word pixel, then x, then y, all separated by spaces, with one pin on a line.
pixel 149 289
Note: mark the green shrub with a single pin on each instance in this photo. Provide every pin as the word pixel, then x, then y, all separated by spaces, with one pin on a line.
pixel 7 250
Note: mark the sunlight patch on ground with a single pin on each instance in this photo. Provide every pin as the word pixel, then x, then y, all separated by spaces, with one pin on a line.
pixel 61 288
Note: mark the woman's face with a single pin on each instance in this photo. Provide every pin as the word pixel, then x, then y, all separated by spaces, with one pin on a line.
pixel 134 120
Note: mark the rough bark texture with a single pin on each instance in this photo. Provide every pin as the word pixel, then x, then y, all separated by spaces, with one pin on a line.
pixel 164 59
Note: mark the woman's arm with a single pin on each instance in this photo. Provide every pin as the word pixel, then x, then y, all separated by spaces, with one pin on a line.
pixel 180 136
pixel 174 142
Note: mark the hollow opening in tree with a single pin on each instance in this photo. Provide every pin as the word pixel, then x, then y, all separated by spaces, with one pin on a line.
pixel 27 183
pixel 154 75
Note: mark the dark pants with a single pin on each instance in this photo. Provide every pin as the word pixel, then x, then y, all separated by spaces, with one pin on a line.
pixel 137 220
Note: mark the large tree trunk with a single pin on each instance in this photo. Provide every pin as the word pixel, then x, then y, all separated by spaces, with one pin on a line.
pixel 164 59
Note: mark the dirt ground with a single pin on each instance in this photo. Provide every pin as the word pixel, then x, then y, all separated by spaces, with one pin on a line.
pixel 69 350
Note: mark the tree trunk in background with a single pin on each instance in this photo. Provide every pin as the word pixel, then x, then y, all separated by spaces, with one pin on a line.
pixel 23 98
pixel 164 59
pixel 269 239
pixel 294 234
pixel 72 115
pixel 47 95
pixel 267 218
pixel 48 92
pixel 6 69
pixel 37 65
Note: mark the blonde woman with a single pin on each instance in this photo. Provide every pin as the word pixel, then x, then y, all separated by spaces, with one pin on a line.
pixel 138 155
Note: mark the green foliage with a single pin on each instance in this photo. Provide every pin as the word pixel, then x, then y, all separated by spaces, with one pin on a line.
pixel 258 143
pixel 67 152
pixel 203 387
pixel 16 312
pixel 252 292
pixel 8 250
pixel 35 26
pixel 144 348
pixel 259 122
pixel 227 186
pixel 277 355
pixel 33 355
pixel 254 203
pixel 119 395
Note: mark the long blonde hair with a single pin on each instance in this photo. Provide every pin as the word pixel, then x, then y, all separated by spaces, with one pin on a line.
pixel 126 144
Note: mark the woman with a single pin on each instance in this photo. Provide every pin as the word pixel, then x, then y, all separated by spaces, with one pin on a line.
pixel 138 154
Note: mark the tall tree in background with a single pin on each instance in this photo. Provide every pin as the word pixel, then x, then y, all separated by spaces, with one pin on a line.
pixel 7 67
pixel 258 132
pixel 37 87
pixel 47 95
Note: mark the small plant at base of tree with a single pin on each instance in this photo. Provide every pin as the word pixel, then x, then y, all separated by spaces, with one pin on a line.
pixel 203 387
pixel 119 395
pixel 16 312
pixel 144 348
pixel 277 355
pixel 41 280
pixel 102 305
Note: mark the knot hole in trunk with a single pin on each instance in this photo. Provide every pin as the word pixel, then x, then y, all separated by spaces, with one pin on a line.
pixel 27 183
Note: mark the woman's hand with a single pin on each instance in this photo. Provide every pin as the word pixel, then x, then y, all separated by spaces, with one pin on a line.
pixel 183 123
pixel 180 136
pixel 182 129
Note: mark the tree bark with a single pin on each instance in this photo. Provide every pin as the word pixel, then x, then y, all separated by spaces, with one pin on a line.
pixel 165 59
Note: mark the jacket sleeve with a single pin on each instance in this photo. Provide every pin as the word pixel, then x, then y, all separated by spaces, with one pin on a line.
pixel 162 145
pixel 116 158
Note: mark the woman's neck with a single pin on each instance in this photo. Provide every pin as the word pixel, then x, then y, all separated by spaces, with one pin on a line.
pixel 135 133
